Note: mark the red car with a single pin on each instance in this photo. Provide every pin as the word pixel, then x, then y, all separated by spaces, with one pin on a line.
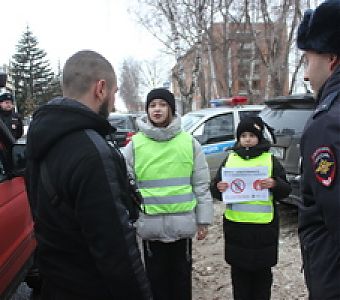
pixel 125 125
pixel 17 241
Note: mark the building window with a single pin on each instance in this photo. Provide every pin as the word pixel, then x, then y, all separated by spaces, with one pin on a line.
pixel 256 85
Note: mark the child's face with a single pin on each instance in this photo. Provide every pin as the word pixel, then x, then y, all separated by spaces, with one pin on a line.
pixel 248 139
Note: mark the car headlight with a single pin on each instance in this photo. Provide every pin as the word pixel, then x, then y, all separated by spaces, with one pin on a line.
pixel 278 152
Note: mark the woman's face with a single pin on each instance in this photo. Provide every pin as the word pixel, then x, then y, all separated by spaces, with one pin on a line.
pixel 248 139
pixel 159 113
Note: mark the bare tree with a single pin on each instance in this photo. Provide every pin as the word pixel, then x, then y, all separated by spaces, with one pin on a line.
pixel 202 35
pixel 280 19
pixel 180 26
pixel 130 84
pixel 153 74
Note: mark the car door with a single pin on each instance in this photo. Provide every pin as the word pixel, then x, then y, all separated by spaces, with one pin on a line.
pixel 16 227
pixel 216 134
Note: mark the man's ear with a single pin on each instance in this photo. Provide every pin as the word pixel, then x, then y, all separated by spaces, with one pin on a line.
pixel 334 60
pixel 100 89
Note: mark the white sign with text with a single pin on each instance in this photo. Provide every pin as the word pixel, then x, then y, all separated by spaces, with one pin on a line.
pixel 243 184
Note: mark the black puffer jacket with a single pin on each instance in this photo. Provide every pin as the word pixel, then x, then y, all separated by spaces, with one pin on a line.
pixel 253 246
pixel 86 243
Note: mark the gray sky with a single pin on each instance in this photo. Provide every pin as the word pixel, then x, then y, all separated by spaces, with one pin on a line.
pixel 65 26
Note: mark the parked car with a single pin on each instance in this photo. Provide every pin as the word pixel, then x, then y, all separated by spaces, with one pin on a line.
pixel 288 116
pixel 17 241
pixel 215 128
pixel 125 125
pixel 26 123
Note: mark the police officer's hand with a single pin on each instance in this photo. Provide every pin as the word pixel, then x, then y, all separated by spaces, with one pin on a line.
pixel 222 186
pixel 267 183
pixel 202 232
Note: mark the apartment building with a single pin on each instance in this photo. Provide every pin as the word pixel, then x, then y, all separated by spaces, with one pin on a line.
pixel 234 62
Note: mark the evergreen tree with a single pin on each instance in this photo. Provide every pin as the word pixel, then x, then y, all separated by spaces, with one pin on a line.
pixel 33 79
pixel 55 84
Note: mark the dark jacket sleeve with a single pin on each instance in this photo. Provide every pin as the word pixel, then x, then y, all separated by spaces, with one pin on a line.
pixel 19 129
pixel 104 219
pixel 218 177
pixel 282 187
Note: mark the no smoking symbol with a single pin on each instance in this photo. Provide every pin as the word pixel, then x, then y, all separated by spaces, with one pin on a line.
pixel 237 186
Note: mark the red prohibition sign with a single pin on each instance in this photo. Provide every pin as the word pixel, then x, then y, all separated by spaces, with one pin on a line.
pixel 237 186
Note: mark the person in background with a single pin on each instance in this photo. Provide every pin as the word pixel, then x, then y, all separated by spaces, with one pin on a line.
pixel 251 229
pixel 172 174
pixel 9 116
pixel 319 215
pixel 79 194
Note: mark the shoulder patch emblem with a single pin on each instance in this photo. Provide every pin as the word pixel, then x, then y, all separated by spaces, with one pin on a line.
pixel 324 165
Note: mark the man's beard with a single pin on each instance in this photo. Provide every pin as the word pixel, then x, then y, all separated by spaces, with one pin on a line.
pixel 104 109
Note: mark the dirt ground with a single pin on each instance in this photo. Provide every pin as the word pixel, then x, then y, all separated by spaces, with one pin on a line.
pixel 211 275
pixel 211 278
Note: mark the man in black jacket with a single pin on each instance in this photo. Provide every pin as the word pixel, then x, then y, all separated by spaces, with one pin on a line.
pixel 9 116
pixel 319 217
pixel 78 191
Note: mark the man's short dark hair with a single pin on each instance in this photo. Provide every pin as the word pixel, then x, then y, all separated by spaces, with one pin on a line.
pixel 84 68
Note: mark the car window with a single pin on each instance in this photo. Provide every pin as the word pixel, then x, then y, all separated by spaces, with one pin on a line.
pixel 189 120
pixel 219 126
pixel 248 113
pixel 286 121
pixel 121 123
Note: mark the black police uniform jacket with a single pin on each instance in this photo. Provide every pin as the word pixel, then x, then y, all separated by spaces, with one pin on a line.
pixel 253 246
pixel 13 122
pixel 319 215
pixel 86 243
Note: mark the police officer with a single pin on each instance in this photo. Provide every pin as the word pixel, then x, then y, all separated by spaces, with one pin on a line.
pixel 9 116
pixel 319 218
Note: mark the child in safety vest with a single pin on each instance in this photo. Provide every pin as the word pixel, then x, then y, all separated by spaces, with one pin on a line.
pixel 250 221
pixel 172 175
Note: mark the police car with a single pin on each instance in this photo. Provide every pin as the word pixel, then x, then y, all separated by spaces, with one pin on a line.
pixel 215 128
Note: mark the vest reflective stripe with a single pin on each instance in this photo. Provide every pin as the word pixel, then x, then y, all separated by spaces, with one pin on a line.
pixel 252 208
pixel 164 182
pixel 261 211
pixel 168 199
pixel 163 171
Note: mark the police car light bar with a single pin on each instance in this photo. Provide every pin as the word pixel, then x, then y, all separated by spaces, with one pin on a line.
pixel 236 100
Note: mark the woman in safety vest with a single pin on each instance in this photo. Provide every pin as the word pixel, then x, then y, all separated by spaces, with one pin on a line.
pixel 172 175
pixel 251 227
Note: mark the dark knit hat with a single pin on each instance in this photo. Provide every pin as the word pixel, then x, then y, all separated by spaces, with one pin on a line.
pixel 6 96
pixel 164 94
pixel 251 124
pixel 320 28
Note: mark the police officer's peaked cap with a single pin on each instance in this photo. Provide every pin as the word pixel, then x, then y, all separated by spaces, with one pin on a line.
pixel 319 30
pixel 6 96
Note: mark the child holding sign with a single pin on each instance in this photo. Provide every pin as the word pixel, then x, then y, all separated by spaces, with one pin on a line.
pixel 250 223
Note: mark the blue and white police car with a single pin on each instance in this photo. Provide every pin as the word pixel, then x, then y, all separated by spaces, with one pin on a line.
pixel 215 128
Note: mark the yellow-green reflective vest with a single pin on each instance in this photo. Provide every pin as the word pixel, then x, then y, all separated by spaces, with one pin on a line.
pixel 163 171
pixel 261 212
